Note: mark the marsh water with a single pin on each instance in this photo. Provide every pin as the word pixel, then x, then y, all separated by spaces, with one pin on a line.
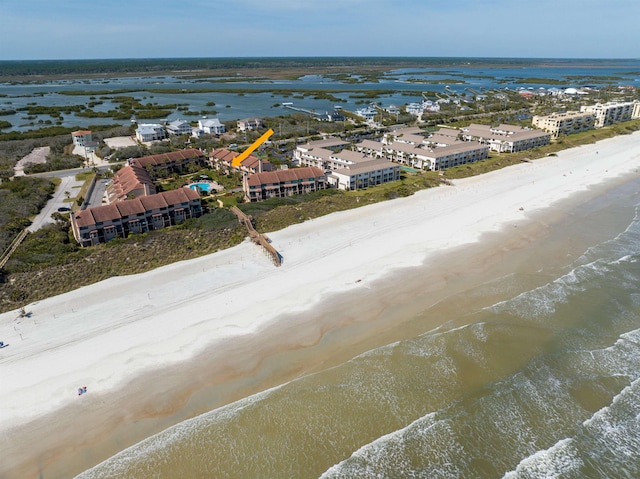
pixel 235 98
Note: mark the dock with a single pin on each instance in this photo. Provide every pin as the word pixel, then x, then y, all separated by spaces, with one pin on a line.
pixel 257 238
pixel 301 110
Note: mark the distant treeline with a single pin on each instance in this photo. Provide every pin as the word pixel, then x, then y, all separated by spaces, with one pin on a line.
pixel 18 68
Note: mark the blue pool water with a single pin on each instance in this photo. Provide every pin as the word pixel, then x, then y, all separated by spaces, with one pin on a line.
pixel 203 186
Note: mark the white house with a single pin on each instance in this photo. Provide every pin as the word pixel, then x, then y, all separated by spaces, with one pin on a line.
pixel 368 113
pixel 211 126
pixel 415 109
pixel 249 124
pixel 179 127
pixel 81 137
pixel 150 132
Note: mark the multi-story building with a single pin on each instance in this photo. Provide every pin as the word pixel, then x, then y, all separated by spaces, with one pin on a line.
pixel 147 132
pixel 610 113
pixel 82 138
pixel 347 169
pixel 368 113
pixel 179 127
pixel 436 157
pixel 317 153
pixel 173 161
pixel 247 124
pixel 364 174
pixel 211 126
pixel 283 183
pixel 222 159
pixel 505 138
pixel 129 182
pixel 139 215
pixel 411 134
pixel 564 123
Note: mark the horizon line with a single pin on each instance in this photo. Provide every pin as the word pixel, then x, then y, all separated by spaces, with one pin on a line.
pixel 280 57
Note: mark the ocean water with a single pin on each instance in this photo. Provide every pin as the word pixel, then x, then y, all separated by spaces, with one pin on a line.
pixel 543 382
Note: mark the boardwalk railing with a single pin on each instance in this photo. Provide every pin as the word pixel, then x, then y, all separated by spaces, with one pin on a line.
pixel 12 247
pixel 256 237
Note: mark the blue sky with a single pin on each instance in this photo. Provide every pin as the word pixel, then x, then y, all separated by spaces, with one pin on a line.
pixel 70 29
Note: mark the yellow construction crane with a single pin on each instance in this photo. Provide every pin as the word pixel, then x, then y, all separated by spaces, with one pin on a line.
pixel 237 161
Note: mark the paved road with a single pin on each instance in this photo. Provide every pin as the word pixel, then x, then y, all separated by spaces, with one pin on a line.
pixel 68 183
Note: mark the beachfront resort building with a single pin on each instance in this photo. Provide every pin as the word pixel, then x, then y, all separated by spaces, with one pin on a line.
pixel 432 158
pixel 565 123
pixel 440 150
pixel 117 220
pixel 363 174
pixel 147 132
pixel 612 112
pixel 347 169
pixel 317 153
pixel 283 183
pixel 505 138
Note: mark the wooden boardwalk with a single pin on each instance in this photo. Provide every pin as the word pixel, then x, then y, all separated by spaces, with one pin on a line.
pixel 257 238
pixel 12 247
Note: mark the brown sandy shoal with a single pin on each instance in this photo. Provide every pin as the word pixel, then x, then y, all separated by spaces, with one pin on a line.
pixel 341 328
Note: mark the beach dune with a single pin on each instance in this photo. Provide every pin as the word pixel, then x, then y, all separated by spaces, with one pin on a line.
pixel 156 348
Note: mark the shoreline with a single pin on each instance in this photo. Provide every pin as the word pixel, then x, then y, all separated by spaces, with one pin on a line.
pixel 189 316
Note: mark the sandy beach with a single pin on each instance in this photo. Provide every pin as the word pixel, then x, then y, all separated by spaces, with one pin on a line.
pixel 156 348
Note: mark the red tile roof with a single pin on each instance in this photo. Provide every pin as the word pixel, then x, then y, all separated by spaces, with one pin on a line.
pixel 172 156
pixel 251 162
pixel 284 176
pixel 117 211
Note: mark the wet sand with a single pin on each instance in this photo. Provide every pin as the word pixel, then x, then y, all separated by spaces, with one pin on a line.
pixel 157 348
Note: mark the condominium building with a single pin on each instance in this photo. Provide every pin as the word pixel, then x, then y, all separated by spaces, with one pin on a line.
pixel 139 215
pixel 129 182
pixel 436 157
pixel 564 123
pixel 612 112
pixel 318 153
pixel 222 159
pixel 283 183
pixel 173 161
pixel 505 138
pixel 364 174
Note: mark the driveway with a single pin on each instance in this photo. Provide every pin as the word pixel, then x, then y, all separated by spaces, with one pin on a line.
pixel 98 193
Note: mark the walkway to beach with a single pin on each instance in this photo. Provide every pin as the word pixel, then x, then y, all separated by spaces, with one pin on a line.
pixel 256 237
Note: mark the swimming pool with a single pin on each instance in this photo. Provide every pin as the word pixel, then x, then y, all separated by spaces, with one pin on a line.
pixel 202 186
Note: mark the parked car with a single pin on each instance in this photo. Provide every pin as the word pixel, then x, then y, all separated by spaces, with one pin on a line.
pixel 63 209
